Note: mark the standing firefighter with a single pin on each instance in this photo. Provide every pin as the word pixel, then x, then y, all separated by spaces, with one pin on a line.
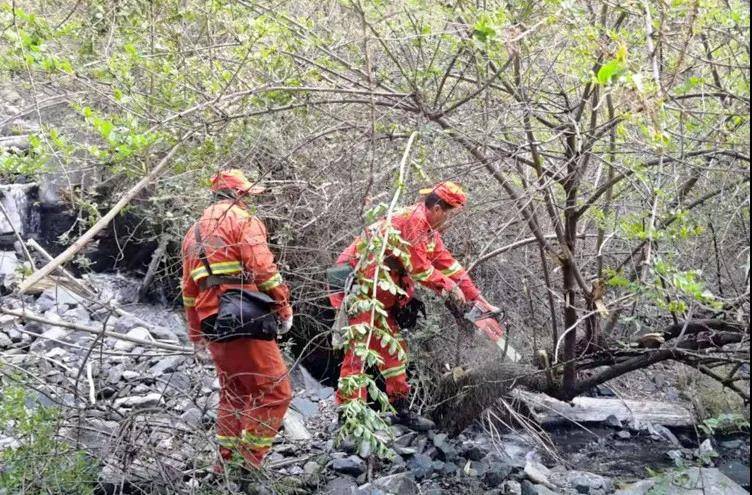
pixel 431 264
pixel 236 304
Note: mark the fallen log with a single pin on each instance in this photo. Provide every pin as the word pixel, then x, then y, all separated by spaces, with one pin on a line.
pixel 462 396
pixel 547 410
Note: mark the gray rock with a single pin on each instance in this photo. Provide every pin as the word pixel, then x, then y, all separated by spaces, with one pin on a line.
pixel 166 365
pixel 115 374
pixel 659 380
pixel 528 488
pixel 77 315
pixel 421 466
pixel 139 401
pixel 96 434
pixel 660 432
pixel 35 327
pixel 450 468
pixel 46 340
pixel 8 263
pixel 324 393
pixel 676 456
pixel 639 488
pixel 516 448
pixel 498 471
pixel 736 470
pixel 16 200
pixel 692 481
pixel 623 435
pixel 537 473
pixel 511 487
pixel 731 444
pixel 192 417
pixel 125 323
pixel 7 321
pixel 706 452
pixel 305 406
pixel 115 287
pixel 352 465
pixel 472 451
pixel 5 341
pixel 404 450
pixel 136 333
pixel 179 382
pixel 16 336
pixel 312 467
pixel 613 421
pixel 581 482
pixel 448 452
pixel 396 484
pixel 59 296
pixel 129 375
pixel 294 427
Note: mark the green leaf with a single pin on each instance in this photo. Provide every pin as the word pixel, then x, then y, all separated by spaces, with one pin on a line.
pixel 609 71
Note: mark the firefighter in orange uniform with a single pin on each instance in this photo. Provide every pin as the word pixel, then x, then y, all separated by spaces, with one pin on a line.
pixel 254 388
pixel 432 265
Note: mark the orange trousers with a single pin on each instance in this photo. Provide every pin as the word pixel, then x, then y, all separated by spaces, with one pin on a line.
pixel 254 395
pixel 393 369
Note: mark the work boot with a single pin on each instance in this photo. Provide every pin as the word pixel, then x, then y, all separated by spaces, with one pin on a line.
pixel 409 419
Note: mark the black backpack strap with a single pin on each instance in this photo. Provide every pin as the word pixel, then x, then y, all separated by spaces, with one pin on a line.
pixel 201 250
pixel 211 280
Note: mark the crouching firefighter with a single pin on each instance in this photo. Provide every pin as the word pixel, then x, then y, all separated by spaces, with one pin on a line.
pixel 236 304
pixel 431 264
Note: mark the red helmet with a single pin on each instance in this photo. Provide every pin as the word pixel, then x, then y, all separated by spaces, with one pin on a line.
pixel 234 180
pixel 449 192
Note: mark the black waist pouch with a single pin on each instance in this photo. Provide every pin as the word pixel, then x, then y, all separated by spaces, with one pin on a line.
pixel 407 315
pixel 339 277
pixel 242 314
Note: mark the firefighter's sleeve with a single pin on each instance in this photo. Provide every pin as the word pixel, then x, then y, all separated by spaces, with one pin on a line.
pixel 443 261
pixel 421 269
pixel 259 260
pixel 190 293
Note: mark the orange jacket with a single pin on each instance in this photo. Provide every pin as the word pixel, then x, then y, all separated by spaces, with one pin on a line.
pixel 235 242
pixel 432 263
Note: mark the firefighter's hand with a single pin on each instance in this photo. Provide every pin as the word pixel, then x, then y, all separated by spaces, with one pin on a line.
pixel 485 306
pixel 285 326
pixel 457 297
pixel 201 351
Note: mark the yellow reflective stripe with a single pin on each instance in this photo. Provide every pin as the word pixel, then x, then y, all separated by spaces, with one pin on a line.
pixel 421 276
pixel 189 302
pixel 454 269
pixel 271 283
pixel 198 273
pixel 255 441
pixel 225 267
pixel 219 268
pixel 228 442
pixel 392 372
